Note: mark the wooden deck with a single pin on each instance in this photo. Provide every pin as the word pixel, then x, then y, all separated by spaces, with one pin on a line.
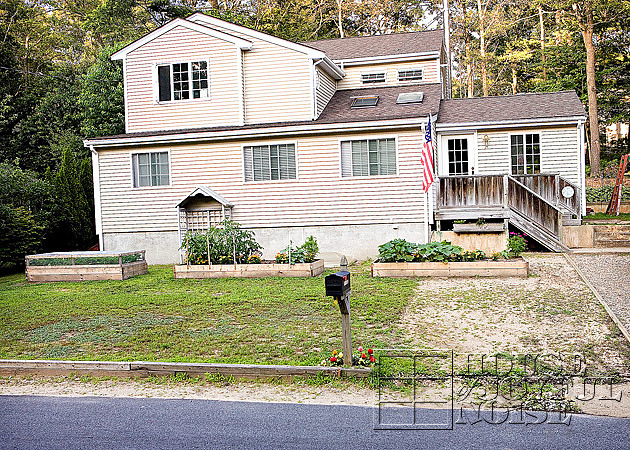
pixel 533 203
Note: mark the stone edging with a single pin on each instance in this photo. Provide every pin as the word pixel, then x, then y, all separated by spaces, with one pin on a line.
pixel 146 368
pixel 610 312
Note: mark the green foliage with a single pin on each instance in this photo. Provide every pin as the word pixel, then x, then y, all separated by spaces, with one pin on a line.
pixel 396 250
pixel 101 98
pixel 399 250
pixel 71 224
pixel 472 255
pixel 516 244
pixel 306 253
pixel 603 194
pixel 84 260
pixel 20 235
pixel 223 242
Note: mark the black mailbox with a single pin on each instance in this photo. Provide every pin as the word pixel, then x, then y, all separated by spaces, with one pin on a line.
pixel 338 284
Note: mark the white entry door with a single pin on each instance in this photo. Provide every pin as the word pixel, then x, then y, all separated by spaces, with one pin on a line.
pixel 458 155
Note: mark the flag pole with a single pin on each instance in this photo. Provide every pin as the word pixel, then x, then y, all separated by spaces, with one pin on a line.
pixel 426 207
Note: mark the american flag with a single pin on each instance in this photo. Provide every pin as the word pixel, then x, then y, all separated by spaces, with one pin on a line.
pixel 427 159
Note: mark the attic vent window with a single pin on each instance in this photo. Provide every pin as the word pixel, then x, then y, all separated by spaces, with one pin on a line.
pixel 364 102
pixel 407 75
pixel 411 97
pixel 369 78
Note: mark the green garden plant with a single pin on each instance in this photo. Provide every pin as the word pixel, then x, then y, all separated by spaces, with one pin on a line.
pixel 223 243
pixel 517 244
pixel 305 253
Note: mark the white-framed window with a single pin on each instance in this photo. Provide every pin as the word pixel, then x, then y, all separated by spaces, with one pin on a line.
pixel 183 81
pixel 269 162
pixel 150 169
pixel 525 153
pixel 410 75
pixel 371 78
pixel 368 157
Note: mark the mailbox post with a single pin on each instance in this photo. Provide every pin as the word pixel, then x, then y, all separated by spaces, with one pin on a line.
pixel 338 286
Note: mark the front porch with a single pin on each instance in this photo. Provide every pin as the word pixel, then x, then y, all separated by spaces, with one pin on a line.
pixel 539 204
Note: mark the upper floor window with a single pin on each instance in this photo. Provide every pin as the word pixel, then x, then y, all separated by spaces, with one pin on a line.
pixel 150 169
pixel 183 81
pixel 525 152
pixel 367 157
pixel 269 162
pixel 368 78
pixel 407 75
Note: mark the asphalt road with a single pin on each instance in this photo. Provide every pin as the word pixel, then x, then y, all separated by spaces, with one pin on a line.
pixel 122 423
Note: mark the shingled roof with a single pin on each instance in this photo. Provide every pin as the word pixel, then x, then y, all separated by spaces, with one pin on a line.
pixel 339 109
pixel 520 107
pixel 380 45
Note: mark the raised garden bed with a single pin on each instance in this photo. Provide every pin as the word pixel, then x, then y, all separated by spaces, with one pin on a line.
pixel 516 267
pixel 249 270
pixel 84 266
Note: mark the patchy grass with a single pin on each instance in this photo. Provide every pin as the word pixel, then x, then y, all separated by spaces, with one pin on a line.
pixel 553 311
pixel 156 318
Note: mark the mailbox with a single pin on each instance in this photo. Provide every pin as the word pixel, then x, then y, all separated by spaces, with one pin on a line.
pixel 338 284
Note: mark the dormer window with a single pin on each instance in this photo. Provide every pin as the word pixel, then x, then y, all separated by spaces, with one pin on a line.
pixel 370 78
pixel 183 81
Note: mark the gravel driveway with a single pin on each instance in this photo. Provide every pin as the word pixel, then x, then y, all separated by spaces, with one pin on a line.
pixel 610 274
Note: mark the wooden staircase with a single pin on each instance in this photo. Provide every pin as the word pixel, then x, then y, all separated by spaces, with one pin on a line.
pixel 539 205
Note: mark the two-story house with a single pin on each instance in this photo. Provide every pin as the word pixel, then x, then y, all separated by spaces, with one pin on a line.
pixel 321 138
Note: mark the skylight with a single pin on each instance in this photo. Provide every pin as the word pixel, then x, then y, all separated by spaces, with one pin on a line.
pixel 410 97
pixel 363 102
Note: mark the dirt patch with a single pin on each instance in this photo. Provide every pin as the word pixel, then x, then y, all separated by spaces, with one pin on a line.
pixel 550 311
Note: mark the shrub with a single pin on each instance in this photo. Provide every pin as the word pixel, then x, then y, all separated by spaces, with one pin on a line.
pixel 397 250
pixel 517 244
pixel 20 235
pixel 222 243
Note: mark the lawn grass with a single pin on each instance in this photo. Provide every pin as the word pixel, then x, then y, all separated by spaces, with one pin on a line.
pixel 154 317
pixel 604 216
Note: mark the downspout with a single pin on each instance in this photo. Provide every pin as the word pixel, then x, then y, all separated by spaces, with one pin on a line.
pixel 96 180
pixel 583 167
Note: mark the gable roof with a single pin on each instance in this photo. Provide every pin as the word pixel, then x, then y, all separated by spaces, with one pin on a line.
pixel 414 43
pixel 522 108
pixel 205 191
pixel 209 21
pixel 239 42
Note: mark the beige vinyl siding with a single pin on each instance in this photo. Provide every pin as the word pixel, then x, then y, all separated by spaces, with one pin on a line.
pixel 352 79
pixel 319 196
pixel 326 88
pixel 558 151
pixel 182 45
pixel 277 82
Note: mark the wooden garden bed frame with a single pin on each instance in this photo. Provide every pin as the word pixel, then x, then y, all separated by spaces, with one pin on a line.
pixel 249 270
pixel 516 267
pixel 84 272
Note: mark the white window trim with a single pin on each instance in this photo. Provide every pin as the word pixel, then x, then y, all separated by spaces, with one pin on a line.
pixel 402 69
pixel 473 154
pixel 170 175
pixel 523 133
pixel 373 138
pixel 372 72
pixel 156 82
pixel 270 143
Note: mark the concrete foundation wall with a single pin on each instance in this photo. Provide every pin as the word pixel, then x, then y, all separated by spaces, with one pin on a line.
pixel 487 242
pixel 581 236
pixel 355 241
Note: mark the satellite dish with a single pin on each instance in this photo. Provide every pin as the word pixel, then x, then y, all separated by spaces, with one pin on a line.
pixel 568 191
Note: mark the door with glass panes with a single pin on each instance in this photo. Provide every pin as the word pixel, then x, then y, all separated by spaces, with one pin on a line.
pixel 458 155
